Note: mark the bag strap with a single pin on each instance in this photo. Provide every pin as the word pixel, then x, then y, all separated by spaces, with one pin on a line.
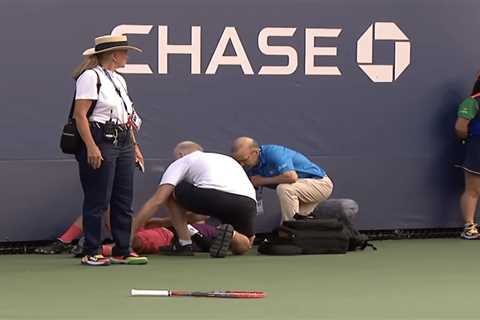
pixel 117 90
pixel 314 224
pixel 94 102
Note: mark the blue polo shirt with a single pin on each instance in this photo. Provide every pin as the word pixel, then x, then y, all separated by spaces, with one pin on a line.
pixel 276 160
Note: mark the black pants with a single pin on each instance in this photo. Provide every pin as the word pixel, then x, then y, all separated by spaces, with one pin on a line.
pixel 110 185
pixel 234 209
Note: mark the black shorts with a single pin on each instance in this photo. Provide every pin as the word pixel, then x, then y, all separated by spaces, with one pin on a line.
pixel 471 161
pixel 234 209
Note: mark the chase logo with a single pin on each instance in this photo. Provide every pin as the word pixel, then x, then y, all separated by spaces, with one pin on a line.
pixel 383 31
pixel 311 53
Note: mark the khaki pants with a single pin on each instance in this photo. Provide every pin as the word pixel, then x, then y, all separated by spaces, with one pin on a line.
pixel 303 196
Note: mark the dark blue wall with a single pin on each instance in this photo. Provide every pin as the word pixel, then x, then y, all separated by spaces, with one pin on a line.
pixel 387 145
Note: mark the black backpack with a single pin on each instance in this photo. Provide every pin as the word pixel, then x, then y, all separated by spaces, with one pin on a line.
pixel 314 236
pixel 356 239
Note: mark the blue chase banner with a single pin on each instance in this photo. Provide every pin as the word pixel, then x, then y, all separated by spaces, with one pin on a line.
pixel 367 89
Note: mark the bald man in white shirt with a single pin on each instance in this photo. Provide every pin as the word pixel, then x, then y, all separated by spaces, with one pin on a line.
pixel 208 184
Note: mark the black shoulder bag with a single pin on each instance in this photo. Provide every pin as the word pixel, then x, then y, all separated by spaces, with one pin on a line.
pixel 70 139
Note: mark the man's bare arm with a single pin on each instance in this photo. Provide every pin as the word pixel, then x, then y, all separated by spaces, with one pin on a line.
pixel 287 177
pixel 167 222
pixel 152 205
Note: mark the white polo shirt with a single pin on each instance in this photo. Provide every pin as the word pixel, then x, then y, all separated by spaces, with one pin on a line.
pixel 108 101
pixel 210 171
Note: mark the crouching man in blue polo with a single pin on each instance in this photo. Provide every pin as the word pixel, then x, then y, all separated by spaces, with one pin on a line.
pixel 301 185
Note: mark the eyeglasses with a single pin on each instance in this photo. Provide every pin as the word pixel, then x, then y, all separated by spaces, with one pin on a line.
pixel 242 160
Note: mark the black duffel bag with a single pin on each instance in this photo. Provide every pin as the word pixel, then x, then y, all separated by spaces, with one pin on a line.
pixel 314 236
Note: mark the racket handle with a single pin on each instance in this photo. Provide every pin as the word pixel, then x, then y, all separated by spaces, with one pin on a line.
pixel 149 293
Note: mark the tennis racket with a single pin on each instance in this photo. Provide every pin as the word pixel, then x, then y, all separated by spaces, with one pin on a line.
pixel 205 294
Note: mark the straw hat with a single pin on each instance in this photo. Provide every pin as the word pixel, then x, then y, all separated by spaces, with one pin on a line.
pixel 109 43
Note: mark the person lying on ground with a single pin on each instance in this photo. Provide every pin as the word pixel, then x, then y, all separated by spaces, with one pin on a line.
pixel 155 234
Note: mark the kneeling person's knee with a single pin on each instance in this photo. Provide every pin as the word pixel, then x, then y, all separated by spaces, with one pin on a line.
pixel 283 189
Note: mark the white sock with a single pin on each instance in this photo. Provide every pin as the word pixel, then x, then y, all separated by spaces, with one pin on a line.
pixel 191 229
pixel 184 242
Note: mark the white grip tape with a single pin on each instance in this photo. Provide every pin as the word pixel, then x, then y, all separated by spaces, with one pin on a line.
pixel 150 293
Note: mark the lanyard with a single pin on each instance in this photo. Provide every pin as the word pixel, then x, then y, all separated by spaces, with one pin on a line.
pixel 259 196
pixel 117 90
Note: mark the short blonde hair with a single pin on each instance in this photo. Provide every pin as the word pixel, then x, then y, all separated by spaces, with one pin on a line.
pixel 186 147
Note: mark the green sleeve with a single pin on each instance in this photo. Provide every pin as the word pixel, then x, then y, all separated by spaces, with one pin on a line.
pixel 468 109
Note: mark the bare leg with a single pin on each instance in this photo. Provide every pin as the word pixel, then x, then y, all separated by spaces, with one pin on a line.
pixel 179 219
pixel 469 198
pixel 240 243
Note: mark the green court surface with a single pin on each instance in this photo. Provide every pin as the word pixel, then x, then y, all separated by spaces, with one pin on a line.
pixel 407 279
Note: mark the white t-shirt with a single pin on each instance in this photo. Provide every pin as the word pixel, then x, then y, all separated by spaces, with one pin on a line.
pixel 210 171
pixel 108 101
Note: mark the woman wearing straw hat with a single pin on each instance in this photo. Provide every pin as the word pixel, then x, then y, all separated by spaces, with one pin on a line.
pixel 106 121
